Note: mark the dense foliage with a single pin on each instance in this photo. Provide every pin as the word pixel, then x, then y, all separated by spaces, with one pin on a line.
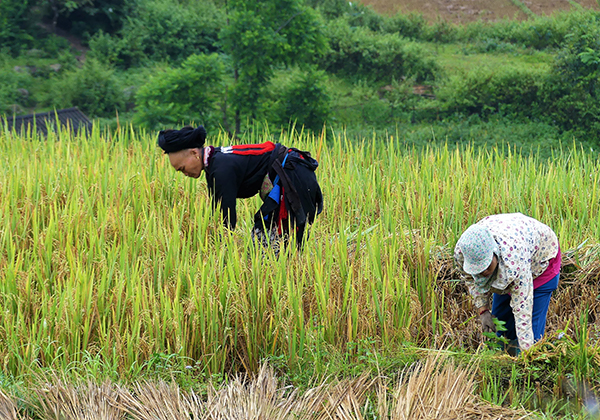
pixel 261 35
pixel 93 88
pixel 573 86
pixel 161 31
pixel 360 53
pixel 15 25
pixel 184 94
pixel 304 99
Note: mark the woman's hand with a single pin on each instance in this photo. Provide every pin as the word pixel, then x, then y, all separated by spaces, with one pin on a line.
pixel 487 322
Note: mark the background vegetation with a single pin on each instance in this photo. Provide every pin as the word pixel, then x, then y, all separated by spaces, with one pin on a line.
pixel 334 63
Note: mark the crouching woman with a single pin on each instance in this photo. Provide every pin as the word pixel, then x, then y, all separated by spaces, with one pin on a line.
pixel 517 259
pixel 284 177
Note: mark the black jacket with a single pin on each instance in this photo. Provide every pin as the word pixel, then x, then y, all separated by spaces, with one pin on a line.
pixel 234 172
pixel 238 172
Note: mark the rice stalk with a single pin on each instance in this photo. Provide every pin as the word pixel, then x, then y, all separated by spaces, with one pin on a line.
pixel 160 401
pixel 433 388
pixel 259 398
pixel 8 408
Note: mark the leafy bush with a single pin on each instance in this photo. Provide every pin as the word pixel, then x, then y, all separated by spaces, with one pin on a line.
pixel 161 30
pixel 15 91
pixel 412 25
pixel 191 92
pixel 107 49
pixel 572 91
pixel 304 101
pixel 94 88
pixel 539 33
pixel 362 54
pixel 441 31
pixel 359 15
pixel 54 46
pixel 487 91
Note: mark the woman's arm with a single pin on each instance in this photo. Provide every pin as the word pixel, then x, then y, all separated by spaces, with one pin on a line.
pixel 224 192
pixel 521 302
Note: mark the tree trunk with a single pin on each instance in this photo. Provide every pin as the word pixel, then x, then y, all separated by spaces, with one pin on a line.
pixel 54 17
pixel 237 110
pixel 224 111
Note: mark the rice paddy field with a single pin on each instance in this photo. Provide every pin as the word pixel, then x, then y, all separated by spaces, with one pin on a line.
pixel 123 297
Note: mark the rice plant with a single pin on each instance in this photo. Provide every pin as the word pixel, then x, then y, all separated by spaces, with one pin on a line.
pixel 108 255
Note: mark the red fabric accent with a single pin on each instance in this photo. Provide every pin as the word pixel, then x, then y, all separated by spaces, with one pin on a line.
pixel 551 271
pixel 253 149
pixel 283 214
pixel 481 312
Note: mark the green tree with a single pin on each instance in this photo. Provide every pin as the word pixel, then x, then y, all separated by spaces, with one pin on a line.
pixel 182 94
pixel 15 24
pixel 261 35
pixel 305 102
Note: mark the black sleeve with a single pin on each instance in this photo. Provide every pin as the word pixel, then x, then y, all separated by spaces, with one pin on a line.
pixel 225 193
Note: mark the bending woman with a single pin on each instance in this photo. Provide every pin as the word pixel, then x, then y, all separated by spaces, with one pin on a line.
pixel 517 258
pixel 284 177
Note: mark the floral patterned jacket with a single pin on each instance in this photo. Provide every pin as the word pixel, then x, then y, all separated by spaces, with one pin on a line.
pixel 525 246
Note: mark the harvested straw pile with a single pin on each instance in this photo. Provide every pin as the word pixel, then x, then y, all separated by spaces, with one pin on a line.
pixel 433 389
pixel 60 400
pixel 242 399
pixel 437 390
pixel 8 408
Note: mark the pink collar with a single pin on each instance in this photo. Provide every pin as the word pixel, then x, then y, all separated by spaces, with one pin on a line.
pixel 207 152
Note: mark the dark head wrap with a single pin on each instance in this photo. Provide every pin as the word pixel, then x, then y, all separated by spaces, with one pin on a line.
pixel 186 138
